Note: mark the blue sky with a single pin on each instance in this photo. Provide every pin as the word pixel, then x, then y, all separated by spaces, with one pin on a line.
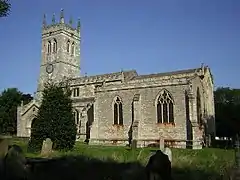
pixel 147 35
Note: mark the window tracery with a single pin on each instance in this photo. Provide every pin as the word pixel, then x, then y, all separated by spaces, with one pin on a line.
pixel 165 108
pixel 118 112
pixel 199 108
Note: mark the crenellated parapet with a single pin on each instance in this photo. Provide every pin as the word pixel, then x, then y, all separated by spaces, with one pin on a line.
pixel 175 76
pixel 105 78
pixel 61 24
pixel 131 77
pixel 131 80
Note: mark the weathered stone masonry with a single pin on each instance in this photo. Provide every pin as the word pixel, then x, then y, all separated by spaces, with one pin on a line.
pixel 176 106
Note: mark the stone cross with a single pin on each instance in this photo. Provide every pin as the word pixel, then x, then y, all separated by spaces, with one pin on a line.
pixel 47 147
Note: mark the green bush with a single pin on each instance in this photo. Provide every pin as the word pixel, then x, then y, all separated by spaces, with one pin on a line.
pixel 55 120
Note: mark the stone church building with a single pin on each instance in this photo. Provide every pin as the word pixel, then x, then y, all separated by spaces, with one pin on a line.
pixel 111 108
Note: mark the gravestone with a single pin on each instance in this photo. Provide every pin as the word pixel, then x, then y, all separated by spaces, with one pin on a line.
pixel 134 144
pixel 235 174
pixel 161 144
pixel 4 143
pixel 168 152
pixel 134 134
pixel 47 147
pixel 15 166
pixel 209 140
pixel 159 167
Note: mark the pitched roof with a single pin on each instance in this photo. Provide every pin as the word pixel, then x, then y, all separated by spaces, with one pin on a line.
pixel 186 71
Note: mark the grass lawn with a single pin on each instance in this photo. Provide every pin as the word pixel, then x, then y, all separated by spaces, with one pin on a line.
pixel 187 164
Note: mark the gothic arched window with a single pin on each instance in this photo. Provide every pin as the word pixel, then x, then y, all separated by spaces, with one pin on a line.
pixel 165 113
pixel 49 47
pixel 76 117
pixel 117 112
pixel 54 45
pixel 68 46
pixel 72 49
pixel 199 108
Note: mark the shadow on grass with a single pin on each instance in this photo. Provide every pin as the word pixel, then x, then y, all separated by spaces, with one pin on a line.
pixel 194 174
pixel 84 168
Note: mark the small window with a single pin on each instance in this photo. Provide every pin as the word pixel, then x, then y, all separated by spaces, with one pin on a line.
pixel 117 112
pixel 55 46
pixel 49 47
pixel 75 92
pixel 72 49
pixel 68 46
pixel 76 116
pixel 199 108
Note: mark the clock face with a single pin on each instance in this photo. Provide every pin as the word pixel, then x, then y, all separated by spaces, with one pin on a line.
pixel 49 68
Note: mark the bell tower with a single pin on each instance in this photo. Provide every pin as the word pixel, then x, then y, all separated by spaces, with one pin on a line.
pixel 60 56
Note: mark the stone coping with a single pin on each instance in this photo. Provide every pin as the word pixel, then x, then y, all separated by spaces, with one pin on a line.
pixel 5 137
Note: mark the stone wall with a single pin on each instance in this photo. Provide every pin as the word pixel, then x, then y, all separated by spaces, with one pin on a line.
pixel 25 115
pixel 100 93
pixel 148 90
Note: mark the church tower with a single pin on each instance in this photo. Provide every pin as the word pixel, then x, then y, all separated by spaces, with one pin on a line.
pixel 60 56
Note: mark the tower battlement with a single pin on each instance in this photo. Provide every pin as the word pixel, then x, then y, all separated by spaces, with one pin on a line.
pixel 60 52
pixel 61 24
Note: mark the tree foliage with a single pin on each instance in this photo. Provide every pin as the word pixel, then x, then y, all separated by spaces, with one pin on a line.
pixel 55 120
pixel 227 106
pixel 9 100
pixel 5 7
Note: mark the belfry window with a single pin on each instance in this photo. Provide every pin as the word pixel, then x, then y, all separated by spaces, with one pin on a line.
pixel 75 92
pixel 49 47
pixel 72 49
pixel 117 112
pixel 68 46
pixel 165 113
pixel 55 46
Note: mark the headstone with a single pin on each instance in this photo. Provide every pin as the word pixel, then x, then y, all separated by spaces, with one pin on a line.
pixel 168 152
pixel 134 144
pixel 159 166
pixel 235 173
pixel 15 166
pixel 161 144
pixel 134 134
pixel 1 166
pixel 4 142
pixel 47 147
pixel 209 140
pixel 237 152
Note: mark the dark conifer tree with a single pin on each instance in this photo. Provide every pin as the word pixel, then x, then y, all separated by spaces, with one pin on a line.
pixel 55 119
